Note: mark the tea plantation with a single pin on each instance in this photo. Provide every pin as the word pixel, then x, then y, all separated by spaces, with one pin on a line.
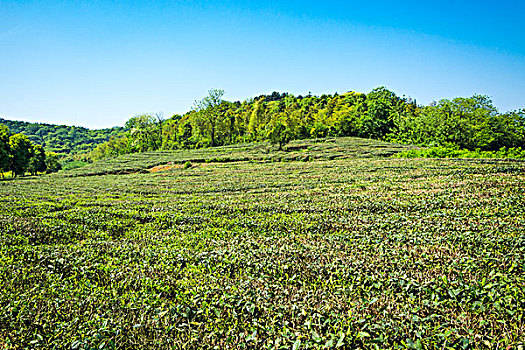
pixel 246 252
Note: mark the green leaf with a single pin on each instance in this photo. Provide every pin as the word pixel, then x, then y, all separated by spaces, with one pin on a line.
pixel 340 342
pixel 363 335
pixel 316 337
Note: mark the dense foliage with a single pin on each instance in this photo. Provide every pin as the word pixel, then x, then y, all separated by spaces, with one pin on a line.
pixel 19 155
pixel 468 123
pixel 465 123
pixel 455 152
pixel 357 253
pixel 69 142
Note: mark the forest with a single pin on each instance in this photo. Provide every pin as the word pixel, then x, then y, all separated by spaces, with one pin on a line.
pixel 472 123
pixel 69 142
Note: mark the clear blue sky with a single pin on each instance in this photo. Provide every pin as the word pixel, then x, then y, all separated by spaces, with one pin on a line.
pixel 97 63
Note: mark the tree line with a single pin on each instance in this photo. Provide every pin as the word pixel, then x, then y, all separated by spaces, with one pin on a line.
pixel 19 155
pixel 466 123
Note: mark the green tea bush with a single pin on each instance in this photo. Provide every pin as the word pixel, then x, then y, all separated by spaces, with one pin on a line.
pixel 350 253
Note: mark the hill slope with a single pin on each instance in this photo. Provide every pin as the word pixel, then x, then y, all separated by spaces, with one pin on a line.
pixel 356 253
pixel 300 150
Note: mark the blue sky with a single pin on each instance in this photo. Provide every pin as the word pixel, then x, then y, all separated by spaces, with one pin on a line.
pixel 97 63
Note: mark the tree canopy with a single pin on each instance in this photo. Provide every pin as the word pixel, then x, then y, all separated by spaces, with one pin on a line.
pixel 469 123
pixel 465 122
pixel 19 155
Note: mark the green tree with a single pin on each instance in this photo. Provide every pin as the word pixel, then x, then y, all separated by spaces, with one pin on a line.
pixel 4 149
pixel 465 122
pixel 378 120
pixel 37 162
pixel 510 128
pixel 170 131
pixel 52 163
pixel 20 153
pixel 473 118
pixel 113 147
pixel 208 112
pixel 280 135
pixel 145 132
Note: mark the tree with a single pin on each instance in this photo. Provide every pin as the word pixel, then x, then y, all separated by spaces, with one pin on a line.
pixel 465 122
pixel 475 116
pixel 184 133
pixel 208 112
pixel 169 132
pixel 52 163
pixel 20 153
pixel 256 118
pixel 146 131
pixel 4 149
pixel 280 135
pixel 37 162
pixel 511 129
pixel 113 147
pixel 381 105
pixel 319 130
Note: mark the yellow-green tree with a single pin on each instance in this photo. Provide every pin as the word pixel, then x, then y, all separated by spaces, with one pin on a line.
pixel 256 118
pixel 145 131
pixel 208 113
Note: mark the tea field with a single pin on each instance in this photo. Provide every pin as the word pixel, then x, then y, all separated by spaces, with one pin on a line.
pixel 368 253
pixel 299 150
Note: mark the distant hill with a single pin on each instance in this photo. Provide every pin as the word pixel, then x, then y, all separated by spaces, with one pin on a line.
pixel 68 141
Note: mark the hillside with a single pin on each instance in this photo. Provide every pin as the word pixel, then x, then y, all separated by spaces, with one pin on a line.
pixel 352 250
pixel 299 150
pixel 62 139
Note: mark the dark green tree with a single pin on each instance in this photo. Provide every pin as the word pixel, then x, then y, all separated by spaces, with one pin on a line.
pixel 20 153
pixel 37 162
pixel 4 149
pixel 52 163
pixel 381 106
pixel 468 123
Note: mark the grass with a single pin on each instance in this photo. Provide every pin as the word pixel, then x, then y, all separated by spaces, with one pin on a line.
pixel 345 253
